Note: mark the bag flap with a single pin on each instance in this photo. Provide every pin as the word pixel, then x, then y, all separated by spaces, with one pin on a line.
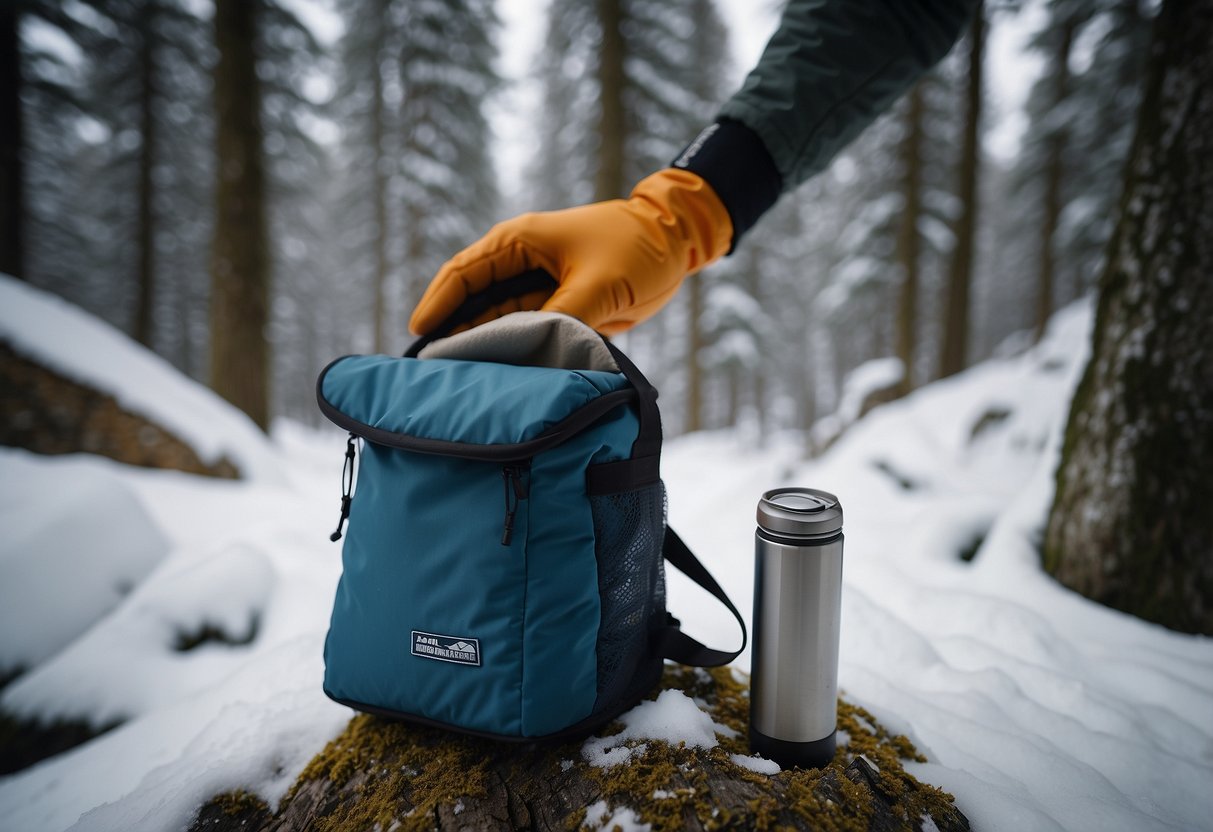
pixel 447 406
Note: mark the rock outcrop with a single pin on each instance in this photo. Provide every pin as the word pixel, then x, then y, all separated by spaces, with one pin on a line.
pixel 48 413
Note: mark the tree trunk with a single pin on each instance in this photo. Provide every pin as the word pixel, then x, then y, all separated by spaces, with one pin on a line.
pixel 694 415
pixel 239 256
pixel 145 293
pixel 907 246
pixel 1050 213
pixel 954 357
pixel 12 174
pixel 1132 521
pixel 732 414
pixel 754 285
pixel 389 775
pixel 379 179
pixel 609 181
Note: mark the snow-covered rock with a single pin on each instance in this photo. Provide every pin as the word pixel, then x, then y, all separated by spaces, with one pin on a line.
pixel 70 342
pixel 76 541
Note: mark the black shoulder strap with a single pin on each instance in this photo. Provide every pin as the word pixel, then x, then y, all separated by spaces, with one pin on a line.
pixel 670 642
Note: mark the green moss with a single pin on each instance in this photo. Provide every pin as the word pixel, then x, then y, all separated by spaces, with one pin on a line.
pixel 240 802
pixel 394 776
pixel 791 797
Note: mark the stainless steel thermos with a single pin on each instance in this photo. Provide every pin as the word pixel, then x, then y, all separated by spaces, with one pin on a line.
pixel 797 601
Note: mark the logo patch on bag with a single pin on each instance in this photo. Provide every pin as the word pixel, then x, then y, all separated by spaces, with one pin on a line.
pixel 446 648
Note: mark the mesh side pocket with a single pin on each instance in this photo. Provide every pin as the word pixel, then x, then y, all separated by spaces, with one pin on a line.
pixel 628 531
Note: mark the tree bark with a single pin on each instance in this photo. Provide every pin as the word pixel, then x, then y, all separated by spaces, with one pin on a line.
pixel 1132 522
pixel 12 174
pixel 954 357
pixel 908 244
pixel 609 179
pixel 145 293
pixel 1050 213
pixel 239 257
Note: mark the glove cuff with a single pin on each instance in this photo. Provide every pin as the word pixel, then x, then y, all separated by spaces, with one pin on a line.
pixel 732 159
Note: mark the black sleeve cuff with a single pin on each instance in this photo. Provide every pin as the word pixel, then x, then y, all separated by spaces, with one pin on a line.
pixel 733 160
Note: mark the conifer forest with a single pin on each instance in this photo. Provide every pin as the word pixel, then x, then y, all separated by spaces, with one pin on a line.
pixel 252 188
pixel 984 326
pixel 250 194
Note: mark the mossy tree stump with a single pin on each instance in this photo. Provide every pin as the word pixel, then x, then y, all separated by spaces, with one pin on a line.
pixel 391 776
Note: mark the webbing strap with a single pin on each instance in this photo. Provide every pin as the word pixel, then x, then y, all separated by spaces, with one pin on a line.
pixel 670 642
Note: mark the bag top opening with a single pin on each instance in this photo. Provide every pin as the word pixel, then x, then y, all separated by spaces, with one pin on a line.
pixel 529 339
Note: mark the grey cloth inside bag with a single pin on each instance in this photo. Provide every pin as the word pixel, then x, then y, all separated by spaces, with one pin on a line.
pixel 534 339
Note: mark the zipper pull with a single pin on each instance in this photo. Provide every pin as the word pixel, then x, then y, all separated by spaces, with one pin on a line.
pixel 347 486
pixel 515 488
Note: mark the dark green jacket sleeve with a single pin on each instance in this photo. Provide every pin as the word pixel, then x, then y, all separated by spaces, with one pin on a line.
pixel 829 70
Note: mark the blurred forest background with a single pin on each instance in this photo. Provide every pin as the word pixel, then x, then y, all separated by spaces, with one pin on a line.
pixel 250 197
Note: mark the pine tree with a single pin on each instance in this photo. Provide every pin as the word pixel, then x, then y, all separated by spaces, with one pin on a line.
pixel 1080 122
pixel 893 190
pixel 367 64
pixel 707 49
pixel 448 189
pixel 907 246
pixel 626 84
pixel 954 352
pixel 240 271
pixel 1055 145
pixel 1132 521
pixel 117 160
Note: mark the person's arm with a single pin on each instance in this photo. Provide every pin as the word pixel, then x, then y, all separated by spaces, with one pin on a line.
pixel 829 70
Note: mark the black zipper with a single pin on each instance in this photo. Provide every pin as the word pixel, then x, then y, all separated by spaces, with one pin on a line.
pixel 347 487
pixel 516 490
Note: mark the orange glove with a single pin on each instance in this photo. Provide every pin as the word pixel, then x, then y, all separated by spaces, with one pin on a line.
pixel 617 262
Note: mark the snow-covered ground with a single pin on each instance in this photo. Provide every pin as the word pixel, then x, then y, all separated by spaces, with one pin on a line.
pixel 1037 709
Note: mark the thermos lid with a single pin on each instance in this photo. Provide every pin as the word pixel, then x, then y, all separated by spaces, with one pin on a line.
pixel 800 512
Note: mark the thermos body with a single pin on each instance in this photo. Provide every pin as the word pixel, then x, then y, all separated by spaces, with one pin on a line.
pixel 797 606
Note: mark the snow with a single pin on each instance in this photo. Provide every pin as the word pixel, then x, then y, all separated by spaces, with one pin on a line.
pixel 599 815
pixel 673 718
pixel 80 347
pixel 1037 708
pixel 760 765
pixel 867 378
pixel 64 559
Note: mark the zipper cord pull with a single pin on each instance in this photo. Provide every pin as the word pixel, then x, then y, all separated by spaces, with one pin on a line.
pixel 515 487
pixel 347 486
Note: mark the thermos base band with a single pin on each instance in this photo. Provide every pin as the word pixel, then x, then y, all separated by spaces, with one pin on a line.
pixel 814 754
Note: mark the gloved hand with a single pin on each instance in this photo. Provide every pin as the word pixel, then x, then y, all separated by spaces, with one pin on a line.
pixel 616 262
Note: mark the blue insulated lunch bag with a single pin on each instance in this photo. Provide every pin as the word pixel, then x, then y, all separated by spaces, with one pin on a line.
pixel 503 562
